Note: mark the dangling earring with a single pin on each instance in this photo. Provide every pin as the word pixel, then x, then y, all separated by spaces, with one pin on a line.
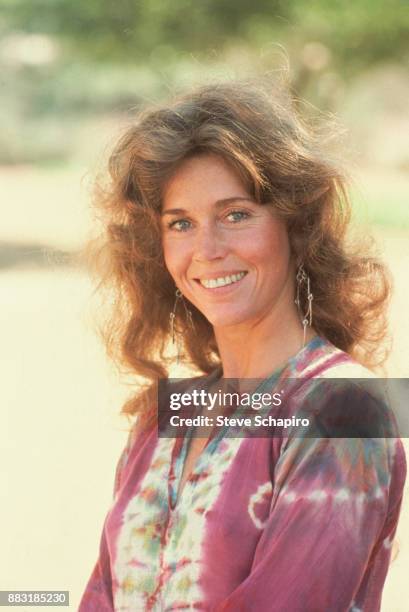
pixel 172 316
pixel 306 317
pixel 189 316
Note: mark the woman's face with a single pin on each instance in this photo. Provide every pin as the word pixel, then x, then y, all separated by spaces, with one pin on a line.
pixel 227 254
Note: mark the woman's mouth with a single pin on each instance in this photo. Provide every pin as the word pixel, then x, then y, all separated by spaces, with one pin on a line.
pixel 221 281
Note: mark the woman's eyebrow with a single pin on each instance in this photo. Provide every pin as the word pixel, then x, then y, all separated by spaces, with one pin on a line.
pixel 218 204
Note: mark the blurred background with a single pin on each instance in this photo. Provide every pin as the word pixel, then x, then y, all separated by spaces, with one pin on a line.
pixel 72 74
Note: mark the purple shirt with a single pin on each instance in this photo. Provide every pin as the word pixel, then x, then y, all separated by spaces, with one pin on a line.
pixel 280 524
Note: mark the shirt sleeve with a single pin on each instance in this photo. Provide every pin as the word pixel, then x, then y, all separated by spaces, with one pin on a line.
pixel 326 543
pixel 97 596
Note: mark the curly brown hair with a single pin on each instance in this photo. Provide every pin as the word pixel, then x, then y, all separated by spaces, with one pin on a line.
pixel 285 163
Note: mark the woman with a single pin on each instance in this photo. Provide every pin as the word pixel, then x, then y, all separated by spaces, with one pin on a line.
pixel 225 230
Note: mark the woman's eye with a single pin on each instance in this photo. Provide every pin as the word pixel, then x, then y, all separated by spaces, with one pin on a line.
pixel 237 215
pixel 180 225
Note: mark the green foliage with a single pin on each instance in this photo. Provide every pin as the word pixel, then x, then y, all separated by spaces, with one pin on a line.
pixel 358 32
pixel 112 55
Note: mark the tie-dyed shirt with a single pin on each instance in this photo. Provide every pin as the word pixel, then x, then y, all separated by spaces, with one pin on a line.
pixel 281 524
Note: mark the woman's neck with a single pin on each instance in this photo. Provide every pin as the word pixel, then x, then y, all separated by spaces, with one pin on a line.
pixel 255 350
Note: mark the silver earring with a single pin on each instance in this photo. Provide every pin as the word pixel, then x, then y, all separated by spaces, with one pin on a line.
pixel 189 316
pixel 303 280
pixel 172 317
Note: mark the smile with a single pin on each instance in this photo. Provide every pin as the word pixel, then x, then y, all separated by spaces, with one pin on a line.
pixel 222 281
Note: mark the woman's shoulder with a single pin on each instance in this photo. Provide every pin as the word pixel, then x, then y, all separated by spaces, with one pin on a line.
pixel 345 398
pixel 320 358
pixel 158 399
pixel 349 409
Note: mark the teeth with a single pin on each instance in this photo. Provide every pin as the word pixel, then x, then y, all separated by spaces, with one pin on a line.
pixel 221 281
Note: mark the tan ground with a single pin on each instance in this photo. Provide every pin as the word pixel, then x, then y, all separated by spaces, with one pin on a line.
pixel 60 436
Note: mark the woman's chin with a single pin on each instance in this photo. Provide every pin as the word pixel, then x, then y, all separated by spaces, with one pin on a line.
pixel 221 320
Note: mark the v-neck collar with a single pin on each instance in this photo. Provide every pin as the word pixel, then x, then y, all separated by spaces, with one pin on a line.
pixel 180 450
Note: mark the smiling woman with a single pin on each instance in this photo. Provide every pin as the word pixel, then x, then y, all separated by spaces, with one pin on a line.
pixel 225 227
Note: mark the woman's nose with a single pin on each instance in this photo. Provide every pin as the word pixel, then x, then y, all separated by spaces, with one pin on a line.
pixel 209 244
